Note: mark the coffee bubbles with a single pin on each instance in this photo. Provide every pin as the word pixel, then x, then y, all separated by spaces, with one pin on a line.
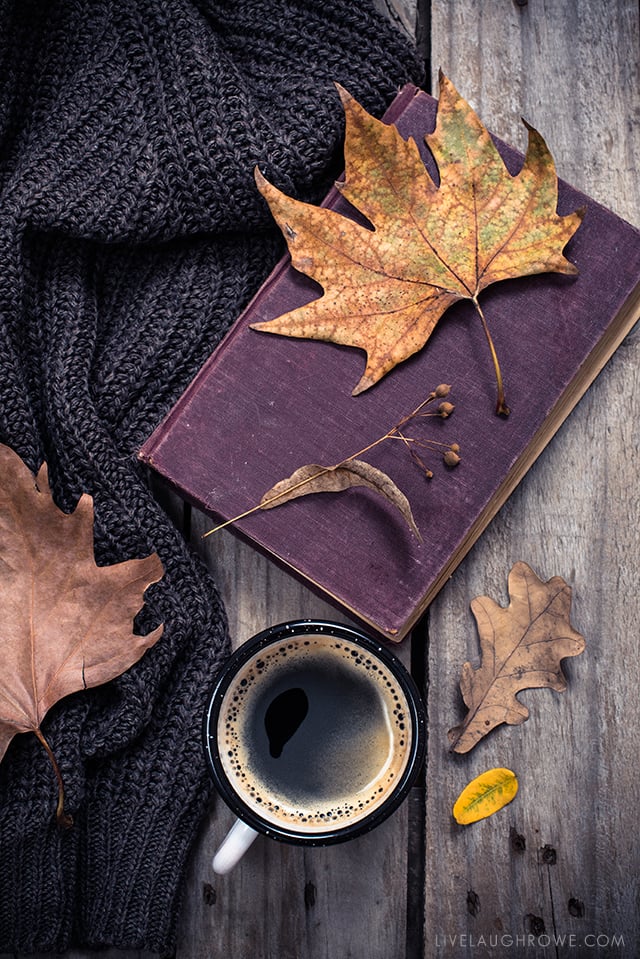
pixel 313 732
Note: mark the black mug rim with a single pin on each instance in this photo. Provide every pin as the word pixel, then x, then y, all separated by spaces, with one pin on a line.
pixel 275 634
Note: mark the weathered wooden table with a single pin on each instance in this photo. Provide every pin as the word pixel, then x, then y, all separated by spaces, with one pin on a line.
pixel 556 873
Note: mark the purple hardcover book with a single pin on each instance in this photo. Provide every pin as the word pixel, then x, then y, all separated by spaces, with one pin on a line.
pixel 264 405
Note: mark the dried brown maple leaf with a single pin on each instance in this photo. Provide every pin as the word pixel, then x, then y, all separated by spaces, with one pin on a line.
pixel 67 624
pixel 385 289
pixel 522 647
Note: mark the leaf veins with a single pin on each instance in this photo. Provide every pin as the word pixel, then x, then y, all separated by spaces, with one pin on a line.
pixel 385 289
pixel 523 646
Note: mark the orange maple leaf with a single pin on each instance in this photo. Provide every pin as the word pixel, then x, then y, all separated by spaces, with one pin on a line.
pixel 386 288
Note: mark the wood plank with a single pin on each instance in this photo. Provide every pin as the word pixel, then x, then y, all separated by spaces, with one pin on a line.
pixel 562 858
pixel 401 12
pixel 280 900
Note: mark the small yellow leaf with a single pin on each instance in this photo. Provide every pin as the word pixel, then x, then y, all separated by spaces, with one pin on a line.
pixel 485 795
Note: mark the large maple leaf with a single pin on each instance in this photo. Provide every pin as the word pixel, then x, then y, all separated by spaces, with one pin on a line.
pixel 431 245
pixel 67 623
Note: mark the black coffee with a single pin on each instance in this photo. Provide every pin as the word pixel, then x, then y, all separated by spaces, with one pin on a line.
pixel 314 732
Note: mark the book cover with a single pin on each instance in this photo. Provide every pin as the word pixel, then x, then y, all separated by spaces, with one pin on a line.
pixel 264 405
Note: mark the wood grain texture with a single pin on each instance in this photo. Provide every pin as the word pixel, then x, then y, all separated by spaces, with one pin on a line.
pixel 563 858
pixel 403 13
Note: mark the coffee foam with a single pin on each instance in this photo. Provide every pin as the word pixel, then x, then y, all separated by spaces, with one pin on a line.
pixel 388 739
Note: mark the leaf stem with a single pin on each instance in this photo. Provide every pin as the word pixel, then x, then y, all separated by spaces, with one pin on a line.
pixel 263 503
pixel 64 820
pixel 501 407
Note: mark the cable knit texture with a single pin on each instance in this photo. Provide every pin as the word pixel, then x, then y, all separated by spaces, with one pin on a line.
pixel 131 236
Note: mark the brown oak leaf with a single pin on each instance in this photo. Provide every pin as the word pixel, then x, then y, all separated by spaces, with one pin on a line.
pixel 386 288
pixel 523 646
pixel 67 624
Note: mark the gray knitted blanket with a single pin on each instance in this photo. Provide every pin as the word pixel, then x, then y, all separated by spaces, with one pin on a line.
pixel 131 236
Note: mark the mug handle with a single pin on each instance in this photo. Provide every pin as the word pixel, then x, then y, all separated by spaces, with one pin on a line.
pixel 233 847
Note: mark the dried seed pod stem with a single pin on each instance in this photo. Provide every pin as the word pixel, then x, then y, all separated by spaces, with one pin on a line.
pixel 309 476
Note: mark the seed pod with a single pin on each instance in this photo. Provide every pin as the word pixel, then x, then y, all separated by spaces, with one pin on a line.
pixel 446 409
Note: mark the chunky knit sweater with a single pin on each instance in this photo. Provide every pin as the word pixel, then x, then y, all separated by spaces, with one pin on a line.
pixel 131 236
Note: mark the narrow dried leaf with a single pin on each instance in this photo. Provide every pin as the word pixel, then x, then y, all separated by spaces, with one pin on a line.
pixel 523 646
pixel 385 289
pixel 485 795
pixel 67 624
pixel 314 478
